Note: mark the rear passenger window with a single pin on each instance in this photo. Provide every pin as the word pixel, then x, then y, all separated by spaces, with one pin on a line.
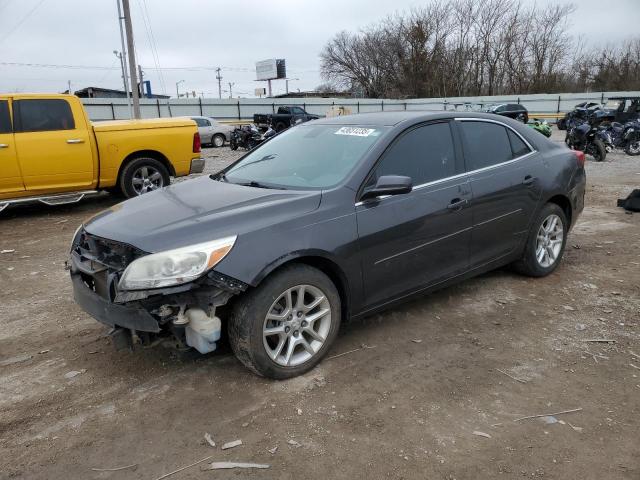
pixel 42 115
pixel 5 118
pixel 485 144
pixel 518 147
pixel 425 154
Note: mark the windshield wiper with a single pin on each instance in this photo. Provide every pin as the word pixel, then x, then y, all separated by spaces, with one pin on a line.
pixel 255 184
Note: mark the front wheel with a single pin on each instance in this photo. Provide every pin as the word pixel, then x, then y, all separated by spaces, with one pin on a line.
pixel 597 150
pixel 545 244
pixel 142 175
pixel 632 147
pixel 285 326
pixel 217 140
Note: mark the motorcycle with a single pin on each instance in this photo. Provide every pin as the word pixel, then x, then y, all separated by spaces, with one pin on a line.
pixel 541 126
pixel 625 137
pixel 588 139
pixel 249 137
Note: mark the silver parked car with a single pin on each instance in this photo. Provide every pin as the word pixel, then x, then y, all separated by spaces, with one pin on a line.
pixel 212 132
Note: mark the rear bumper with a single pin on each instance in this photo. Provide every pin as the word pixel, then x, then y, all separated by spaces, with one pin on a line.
pixel 109 313
pixel 197 166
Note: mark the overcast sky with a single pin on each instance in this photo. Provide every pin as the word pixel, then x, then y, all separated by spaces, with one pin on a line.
pixel 201 35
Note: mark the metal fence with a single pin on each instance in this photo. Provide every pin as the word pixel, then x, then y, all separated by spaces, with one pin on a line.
pixel 243 109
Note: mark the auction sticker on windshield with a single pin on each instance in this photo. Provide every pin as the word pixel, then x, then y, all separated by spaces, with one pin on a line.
pixel 355 131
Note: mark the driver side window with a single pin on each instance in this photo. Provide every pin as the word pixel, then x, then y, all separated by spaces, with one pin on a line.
pixel 425 154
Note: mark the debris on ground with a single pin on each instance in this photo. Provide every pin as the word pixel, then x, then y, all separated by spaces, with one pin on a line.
pixel 16 359
pixel 273 450
pixel 550 419
pixel 568 308
pixel 577 429
pixel 184 468
pixel 117 469
pixel 228 445
pixel 209 440
pixel 549 414
pixel 9 250
pixel 299 411
pixel 416 340
pixel 363 347
pixel 228 465
pixel 481 434
pixel 293 443
pixel 74 373
pixel 599 340
pixel 580 327
pixel 511 376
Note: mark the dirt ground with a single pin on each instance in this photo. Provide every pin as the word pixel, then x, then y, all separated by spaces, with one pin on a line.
pixel 434 389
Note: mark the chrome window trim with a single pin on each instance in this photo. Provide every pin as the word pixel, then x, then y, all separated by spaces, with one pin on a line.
pixel 472 172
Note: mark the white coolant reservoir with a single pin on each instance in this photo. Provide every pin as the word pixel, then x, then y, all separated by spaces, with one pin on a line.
pixel 202 331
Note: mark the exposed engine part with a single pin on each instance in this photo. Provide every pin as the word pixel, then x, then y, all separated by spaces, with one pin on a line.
pixel 202 331
pixel 181 319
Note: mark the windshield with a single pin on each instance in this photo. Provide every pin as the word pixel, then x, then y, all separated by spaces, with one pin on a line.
pixel 306 157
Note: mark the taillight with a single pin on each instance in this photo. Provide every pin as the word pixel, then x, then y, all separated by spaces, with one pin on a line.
pixel 196 143
pixel 579 157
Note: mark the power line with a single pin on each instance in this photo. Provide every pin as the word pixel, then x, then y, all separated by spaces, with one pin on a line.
pixel 24 19
pixel 142 4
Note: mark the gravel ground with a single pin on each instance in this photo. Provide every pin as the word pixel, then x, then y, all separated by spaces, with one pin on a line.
pixel 432 389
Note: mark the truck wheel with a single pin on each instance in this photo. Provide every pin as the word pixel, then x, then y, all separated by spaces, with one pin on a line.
pixel 280 126
pixel 285 326
pixel 142 175
pixel 545 243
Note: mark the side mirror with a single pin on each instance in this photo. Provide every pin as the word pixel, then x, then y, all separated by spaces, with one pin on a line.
pixel 388 185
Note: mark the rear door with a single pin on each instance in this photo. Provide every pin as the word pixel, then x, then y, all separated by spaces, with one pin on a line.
pixel 411 241
pixel 54 150
pixel 503 171
pixel 10 176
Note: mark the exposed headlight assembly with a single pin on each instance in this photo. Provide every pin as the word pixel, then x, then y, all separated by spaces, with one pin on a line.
pixel 175 267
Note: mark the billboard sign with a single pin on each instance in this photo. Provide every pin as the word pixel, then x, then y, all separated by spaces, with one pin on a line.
pixel 271 69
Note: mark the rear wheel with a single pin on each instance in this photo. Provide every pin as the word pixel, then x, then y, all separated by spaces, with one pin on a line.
pixel 522 117
pixel 142 175
pixel 217 140
pixel 546 242
pixel 284 327
pixel 280 126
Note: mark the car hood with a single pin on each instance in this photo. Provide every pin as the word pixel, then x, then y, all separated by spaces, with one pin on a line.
pixel 196 211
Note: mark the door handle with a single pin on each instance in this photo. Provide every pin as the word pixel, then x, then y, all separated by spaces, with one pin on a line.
pixel 75 140
pixel 457 203
pixel 4 145
pixel 529 180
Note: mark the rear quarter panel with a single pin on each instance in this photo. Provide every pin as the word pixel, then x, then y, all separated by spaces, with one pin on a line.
pixel 173 143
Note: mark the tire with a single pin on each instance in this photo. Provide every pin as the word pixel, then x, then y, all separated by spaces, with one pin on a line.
pixel 561 124
pixel 233 145
pixel 280 126
pixel 218 140
pixel 133 173
pixel 264 354
pixel 633 147
pixel 598 151
pixel 529 264
pixel 522 117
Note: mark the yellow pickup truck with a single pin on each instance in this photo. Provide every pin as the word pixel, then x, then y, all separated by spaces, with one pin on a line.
pixel 51 152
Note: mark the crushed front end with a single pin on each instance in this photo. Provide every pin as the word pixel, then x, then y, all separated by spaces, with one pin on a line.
pixel 185 312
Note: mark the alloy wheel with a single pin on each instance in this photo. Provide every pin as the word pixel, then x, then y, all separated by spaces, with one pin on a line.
pixel 549 241
pixel 146 179
pixel 218 141
pixel 296 325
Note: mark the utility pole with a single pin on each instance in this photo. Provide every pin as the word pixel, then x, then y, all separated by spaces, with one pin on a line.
pixel 69 90
pixel 231 84
pixel 141 75
pixel 219 77
pixel 132 58
pixel 122 56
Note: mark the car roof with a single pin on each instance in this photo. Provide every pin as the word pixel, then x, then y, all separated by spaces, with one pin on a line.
pixel 391 119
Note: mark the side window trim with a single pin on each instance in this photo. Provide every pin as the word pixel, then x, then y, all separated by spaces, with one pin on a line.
pixel 459 164
pixel 531 149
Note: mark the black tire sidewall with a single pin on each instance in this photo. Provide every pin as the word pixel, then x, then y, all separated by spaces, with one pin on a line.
pixel 602 150
pixel 529 264
pixel 249 314
pixel 126 176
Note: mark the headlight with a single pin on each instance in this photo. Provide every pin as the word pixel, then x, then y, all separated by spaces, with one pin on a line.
pixel 175 267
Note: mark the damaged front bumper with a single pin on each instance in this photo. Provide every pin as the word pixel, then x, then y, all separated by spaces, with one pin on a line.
pixel 185 312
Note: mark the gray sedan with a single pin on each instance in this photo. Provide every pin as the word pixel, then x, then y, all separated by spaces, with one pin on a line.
pixel 212 132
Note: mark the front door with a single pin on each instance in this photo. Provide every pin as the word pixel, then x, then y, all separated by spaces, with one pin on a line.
pixel 503 171
pixel 54 151
pixel 415 240
pixel 10 177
